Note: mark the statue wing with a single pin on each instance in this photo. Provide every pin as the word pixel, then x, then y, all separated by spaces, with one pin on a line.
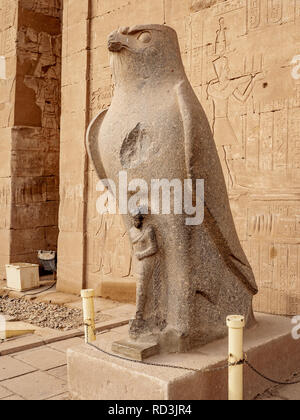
pixel 92 143
pixel 202 162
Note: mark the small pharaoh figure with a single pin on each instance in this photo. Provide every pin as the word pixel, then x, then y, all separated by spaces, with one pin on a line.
pixel 145 247
pixel 221 90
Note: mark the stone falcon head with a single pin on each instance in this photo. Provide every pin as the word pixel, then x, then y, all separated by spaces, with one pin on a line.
pixel 144 51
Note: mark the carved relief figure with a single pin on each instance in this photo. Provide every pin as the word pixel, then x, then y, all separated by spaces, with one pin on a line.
pixel 221 90
pixel 47 98
pixel 274 11
pixel 263 168
pixel 51 7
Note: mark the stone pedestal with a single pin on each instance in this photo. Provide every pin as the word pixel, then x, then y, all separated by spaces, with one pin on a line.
pixel 269 347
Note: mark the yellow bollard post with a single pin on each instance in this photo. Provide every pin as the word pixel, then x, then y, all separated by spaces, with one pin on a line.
pixel 236 324
pixel 89 314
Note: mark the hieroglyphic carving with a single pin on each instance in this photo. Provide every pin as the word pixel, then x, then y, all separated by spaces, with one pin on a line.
pixel 221 90
pixel 101 98
pixel 294 130
pixel 297 10
pixel 5 200
pixel 71 197
pixel 261 149
pixel 230 6
pixel 273 234
pixel 44 51
pixel 116 249
pixel 275 221
pixel 8 41
pixel 275 11
pixel 265 125
pixel 8 10
pixel 253 13
pixel 203 4
pixel 261 13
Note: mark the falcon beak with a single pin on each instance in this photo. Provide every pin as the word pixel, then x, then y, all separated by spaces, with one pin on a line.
pixel 116 42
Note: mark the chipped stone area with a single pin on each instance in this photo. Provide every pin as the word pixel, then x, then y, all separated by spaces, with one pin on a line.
pixel 45 314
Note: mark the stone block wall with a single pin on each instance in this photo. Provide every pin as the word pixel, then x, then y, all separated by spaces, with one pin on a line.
pixel 8 36
pixel 31 46
pixel 242 57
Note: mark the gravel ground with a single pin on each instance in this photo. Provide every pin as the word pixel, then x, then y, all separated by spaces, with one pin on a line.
pixel 44 314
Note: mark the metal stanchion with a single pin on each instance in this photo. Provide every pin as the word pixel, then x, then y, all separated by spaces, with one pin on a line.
pixel 236 324
pixel 89 314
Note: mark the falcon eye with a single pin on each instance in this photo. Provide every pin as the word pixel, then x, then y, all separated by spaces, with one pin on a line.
pixel 145 37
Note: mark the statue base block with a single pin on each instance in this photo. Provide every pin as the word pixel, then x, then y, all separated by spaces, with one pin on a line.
pixel 269 345
pixel 136 351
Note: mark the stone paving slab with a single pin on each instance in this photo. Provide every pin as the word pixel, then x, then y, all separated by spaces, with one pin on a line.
pixel 60 372
pixel 20 344
pixel 13 398
pixel 44 358
pixel 56 336
pixel 36 386
pixel 63 346
pixel 4 393
pixel 11 368
pixel 62 397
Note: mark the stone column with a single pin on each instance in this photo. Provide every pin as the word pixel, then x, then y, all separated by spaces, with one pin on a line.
pixel 73 159
pixel 8 52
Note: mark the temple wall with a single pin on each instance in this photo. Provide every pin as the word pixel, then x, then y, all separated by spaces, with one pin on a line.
pixel 8 34
pixel 30 124
pixel 242 58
